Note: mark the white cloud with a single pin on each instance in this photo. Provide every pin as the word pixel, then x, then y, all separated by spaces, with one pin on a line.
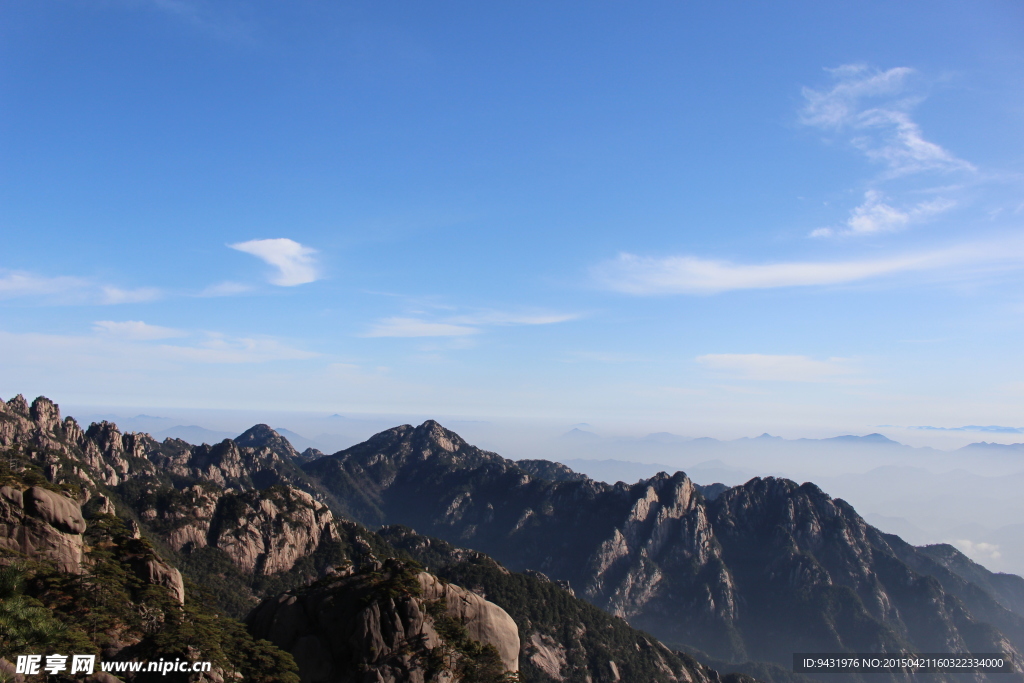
pixel 505 318
pixel 119 345
pixel 136 330
pixel 854 82
pixel 18 283
pixel 875 216
pixel 641 275
pixel 884 133
pixel 69 290
pixel 462 325
pixel 758 366
pixel 413 327
pixel 225 289
pixel 116 295
pixel 220 348
pixel 901 145
pixel 294 262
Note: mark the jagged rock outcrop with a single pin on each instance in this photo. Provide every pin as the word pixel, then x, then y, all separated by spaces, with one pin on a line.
pixel 250 503
pixel 66 452
pixel 262 436
pixel 310 454
pixel 552 471
pixel 394 627
pixel 265 532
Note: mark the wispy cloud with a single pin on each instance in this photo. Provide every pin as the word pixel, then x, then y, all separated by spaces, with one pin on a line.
pixel 19 283
pixel 756 366
pixel 66 289
pixel 136 330
pixel 127 344
pixel 413 327
pixel 225 289
pixel 603 357
pixel 294 262
pixel 875 216
pixel 873 108
pixel 643 275
pixel 990 429
pixel 506 318
pixel 840 105
pixel 462 325
pixel 222 348
pixel 116 295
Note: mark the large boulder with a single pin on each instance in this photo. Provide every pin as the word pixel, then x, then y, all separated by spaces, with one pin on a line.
pixel 42 525
pixel 56 510
pixel 380 626
pixel 156 572
pixel 485 621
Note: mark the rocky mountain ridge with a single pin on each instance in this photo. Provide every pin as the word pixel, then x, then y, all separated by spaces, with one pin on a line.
pixel 761 570
pixel 246 523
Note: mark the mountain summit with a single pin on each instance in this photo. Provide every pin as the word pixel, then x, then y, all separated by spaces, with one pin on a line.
pixel 262 436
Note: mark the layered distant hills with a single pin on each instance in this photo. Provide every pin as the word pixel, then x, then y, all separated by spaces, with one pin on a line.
pixel 442 561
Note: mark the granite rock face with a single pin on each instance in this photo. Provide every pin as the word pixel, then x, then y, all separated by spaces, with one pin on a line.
pixel 381 627
pixel 56 510
pixel 157 572
pixel 266 532
pixel 41 524
pixel 262 436
pixel 485 621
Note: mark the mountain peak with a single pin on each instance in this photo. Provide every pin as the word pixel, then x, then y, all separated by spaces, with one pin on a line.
pixel 263 436
pixel 256 432
pixel 435 434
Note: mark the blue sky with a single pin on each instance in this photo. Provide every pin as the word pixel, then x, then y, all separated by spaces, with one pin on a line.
pixel 711 219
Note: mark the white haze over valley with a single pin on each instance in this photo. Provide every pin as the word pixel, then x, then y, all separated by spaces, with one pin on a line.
pixel 926 485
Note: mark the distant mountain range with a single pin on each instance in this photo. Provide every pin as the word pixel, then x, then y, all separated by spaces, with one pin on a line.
pixel 697 443
pixel 193 434
pixel 340 561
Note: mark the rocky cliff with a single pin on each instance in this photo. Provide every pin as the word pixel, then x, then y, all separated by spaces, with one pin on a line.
pixel 563 638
